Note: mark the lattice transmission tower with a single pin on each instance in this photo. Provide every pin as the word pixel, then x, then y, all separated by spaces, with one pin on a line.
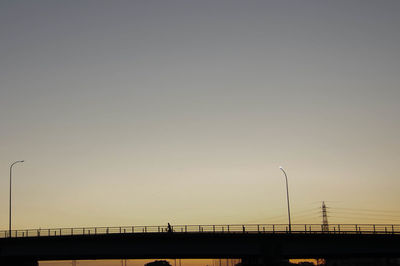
pixel 325 225
pixel 325 228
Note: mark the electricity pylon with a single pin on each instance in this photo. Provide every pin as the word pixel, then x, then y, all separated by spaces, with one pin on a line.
pixel 325 225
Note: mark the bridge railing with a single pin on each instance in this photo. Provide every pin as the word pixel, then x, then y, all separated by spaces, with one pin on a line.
pixel 235 228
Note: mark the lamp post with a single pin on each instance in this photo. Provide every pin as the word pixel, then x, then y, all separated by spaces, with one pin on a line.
pixel 10 192
pixel 287 197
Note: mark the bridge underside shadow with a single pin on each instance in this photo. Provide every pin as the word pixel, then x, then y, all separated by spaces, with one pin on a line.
pixel 252 248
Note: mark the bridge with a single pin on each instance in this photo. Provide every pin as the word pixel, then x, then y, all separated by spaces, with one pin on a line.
pixel 255 244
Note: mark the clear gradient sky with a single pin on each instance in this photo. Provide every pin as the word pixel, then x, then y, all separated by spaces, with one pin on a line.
pixel 148 112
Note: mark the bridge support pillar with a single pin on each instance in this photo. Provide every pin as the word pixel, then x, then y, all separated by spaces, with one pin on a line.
pixel 19 262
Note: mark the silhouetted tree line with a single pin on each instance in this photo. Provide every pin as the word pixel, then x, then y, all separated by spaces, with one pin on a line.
pixel 158 263
pixel 333 262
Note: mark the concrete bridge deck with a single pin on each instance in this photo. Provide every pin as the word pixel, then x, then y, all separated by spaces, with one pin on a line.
pixel 205 242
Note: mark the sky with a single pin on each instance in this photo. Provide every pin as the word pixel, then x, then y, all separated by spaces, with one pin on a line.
pixel 149 112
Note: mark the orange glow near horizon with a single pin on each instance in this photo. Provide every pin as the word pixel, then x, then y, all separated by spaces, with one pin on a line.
pixel 141 262
pixel 173 262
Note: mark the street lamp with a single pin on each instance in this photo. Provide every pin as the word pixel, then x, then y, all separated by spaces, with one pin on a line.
pixel 287 197
pixel 10 192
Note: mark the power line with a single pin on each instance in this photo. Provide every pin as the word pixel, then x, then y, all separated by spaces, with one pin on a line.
pixel 367 210
pixel 367 214
pixel 365 218
pixel 313 210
